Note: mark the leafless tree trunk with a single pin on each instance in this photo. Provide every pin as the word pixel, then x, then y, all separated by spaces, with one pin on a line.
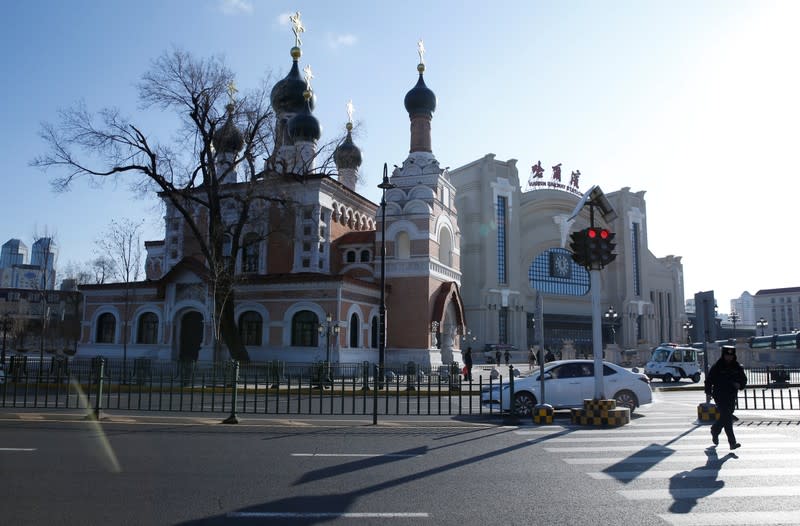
pixel 122 244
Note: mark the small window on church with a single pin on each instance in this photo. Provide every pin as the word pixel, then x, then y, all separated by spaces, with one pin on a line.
pixel 351 256
pixel 322 248
pixel 306 230
pixel 306 246
pixel 306 262
pixel 307 213
pixel 365 256
pixel 322 232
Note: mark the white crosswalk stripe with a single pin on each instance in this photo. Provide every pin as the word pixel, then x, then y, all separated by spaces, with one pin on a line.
pixel 666 462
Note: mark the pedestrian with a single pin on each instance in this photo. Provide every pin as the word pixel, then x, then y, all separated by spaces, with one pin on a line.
pixel 468 364
pixel 531 358
pixel 507 356
pixel 549 356
pixel 725 378
pixel 497 357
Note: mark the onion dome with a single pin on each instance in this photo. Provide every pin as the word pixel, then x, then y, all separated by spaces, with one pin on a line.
pixel 304 126
pixel 420 100
pixel 287 93
pixel 347 154
pixel 228 139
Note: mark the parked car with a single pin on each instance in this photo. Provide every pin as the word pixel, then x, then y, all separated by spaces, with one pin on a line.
pixel 567 383
pixel 672 362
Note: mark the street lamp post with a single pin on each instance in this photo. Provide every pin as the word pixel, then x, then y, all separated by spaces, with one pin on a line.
pixel 6 327
pixel 385 185
pixel 688 326
pixel 329 329
pixel 611 315
pixel 762 323
pixel 734 317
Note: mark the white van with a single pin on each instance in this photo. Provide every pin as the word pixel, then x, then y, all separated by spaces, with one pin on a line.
pixel 670 362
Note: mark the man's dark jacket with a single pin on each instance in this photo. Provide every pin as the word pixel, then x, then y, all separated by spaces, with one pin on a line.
pixel 721 380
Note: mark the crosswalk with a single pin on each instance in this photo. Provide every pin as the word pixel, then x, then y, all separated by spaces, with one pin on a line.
pixel 665 463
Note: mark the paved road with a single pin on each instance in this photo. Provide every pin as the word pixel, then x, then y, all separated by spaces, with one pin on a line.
pixel 190 469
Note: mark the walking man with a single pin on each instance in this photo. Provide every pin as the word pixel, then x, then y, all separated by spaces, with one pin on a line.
pixel 468 364
pixel 724 379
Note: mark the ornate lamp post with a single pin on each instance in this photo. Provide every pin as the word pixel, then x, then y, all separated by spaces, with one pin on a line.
pixel 385 185
pixel 611 315
pixel 762 324
pixel 734 317
pixel 330 328
pixel 688 326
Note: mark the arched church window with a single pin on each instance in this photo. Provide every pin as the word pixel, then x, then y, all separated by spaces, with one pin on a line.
pixel 351 256
pixel 355 327
pixel 106 326
pixel 403 243
pixel 365 256
pixel 304 329
pixel 147 329
pixel 250 260
pixel 445 247
pixel 250 324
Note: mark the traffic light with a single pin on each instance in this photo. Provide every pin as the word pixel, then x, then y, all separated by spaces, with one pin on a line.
pixel 600 246
pixel 607 247
pixel 578 246
pixel 593 253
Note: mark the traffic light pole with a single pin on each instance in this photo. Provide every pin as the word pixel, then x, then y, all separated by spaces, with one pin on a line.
pixel 597 341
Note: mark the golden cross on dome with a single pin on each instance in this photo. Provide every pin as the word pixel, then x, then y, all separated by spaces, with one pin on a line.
pixel 232 91
pixel 309 75
pixel 297 28
pixel 350 110
pixel 421 51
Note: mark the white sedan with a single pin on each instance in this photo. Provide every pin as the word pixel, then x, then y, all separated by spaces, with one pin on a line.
pixel 567 383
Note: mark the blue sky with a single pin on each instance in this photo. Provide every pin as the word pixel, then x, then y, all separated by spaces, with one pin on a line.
pixel 694 102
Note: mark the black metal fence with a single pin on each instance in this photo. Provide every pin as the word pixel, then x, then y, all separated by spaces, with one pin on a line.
pixel 229 387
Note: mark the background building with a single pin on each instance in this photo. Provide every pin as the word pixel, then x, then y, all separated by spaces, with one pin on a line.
pixel 515 246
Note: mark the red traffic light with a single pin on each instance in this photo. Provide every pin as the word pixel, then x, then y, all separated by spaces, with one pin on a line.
pixel 604 234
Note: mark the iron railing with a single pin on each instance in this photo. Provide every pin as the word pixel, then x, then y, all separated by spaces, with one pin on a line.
pixel 228 387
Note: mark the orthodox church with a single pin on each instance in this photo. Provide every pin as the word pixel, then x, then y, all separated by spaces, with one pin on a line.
pixel 313 293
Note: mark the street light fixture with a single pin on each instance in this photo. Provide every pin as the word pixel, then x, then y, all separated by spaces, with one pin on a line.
pixel 688 326
pixel 330 328
pixel 734 317
pixel 611 315
pixel 385 185
pixel 6 327
pixel 762 323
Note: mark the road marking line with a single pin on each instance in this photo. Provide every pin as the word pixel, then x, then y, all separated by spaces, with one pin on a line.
pixel 677 457
pixel 711 472
pixel 739 517
pixel 637 433
pixel 652 438
pixel 721 492
pixel 17 449
pixel 674 447
pixel 354 455
pixel 322 515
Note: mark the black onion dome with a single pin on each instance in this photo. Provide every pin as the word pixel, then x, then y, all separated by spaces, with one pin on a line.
pixel 304 126
pixel 287 93
pixel 347 154
pixel 420 99
pixel 228 139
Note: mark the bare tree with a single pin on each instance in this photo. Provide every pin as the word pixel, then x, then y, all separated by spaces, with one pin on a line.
pixel 185 168
pixel 122 244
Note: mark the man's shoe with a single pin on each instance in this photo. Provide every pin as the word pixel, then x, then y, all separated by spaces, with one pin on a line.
pixel 735 446
pixel 715 437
